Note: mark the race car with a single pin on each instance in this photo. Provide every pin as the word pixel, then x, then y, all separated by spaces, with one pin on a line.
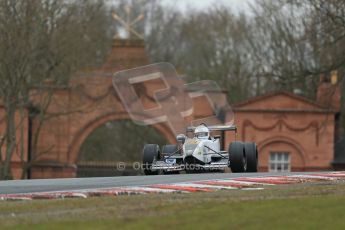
pixel 201 152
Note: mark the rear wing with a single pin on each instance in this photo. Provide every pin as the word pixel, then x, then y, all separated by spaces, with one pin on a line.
pixel 215 128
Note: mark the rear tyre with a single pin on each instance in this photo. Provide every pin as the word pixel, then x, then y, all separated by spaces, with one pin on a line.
pixel 237 157
pixel 166 151
pixel 151 153
pixel 251 152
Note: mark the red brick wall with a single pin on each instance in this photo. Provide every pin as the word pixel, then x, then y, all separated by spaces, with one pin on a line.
pixel 308 137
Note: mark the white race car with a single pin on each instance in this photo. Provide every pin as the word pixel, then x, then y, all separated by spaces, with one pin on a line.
pixel 202 152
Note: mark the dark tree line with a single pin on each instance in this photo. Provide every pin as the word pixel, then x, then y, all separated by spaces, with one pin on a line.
pixel 275 45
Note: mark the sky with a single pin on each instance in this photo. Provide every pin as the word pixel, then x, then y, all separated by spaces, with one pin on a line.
pixel 236 5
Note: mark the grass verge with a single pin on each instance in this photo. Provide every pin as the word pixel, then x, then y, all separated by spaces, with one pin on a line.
pixel 302 206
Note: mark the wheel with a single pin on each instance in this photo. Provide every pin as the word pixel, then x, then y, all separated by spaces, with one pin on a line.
pixel 237 157
pixel 151 153
pixel 169 149
pixel 251 152
pixel 166 151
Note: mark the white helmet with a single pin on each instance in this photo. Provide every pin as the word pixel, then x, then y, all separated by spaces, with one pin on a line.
pixel 201 132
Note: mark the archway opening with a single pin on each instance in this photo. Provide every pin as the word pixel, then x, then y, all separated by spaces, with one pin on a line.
pixel 115 148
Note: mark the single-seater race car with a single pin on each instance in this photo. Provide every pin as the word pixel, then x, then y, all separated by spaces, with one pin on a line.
pixel 201 152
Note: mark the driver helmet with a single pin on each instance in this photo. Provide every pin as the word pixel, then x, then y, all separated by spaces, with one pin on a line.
pixel 201 132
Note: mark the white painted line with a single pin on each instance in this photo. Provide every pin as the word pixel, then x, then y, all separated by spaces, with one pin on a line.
pixel 243 182
pixel 194 185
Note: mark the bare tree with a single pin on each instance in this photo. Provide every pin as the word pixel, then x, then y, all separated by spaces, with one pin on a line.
pixel 297 41
pixel 206 45
pixel 40 42
pixel 279 45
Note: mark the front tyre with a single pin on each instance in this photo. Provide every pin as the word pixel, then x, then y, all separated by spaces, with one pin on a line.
pixel 169 149
pixel 251 152
pixel 237 157
pixel 151 154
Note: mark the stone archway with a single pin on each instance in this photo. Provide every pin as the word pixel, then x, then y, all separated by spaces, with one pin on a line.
pixel 282 144
pixel 85 131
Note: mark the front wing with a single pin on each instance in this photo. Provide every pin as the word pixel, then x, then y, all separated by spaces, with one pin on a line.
pixel 162 165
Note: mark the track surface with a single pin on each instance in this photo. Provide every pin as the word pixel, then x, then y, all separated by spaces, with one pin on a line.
pixel 47 185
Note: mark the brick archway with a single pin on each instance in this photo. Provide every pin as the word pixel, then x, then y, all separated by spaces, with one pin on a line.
pixel 282 143
pixel 88 101
pixel 85 131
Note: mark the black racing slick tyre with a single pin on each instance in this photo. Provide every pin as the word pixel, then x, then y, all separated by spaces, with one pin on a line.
pixel 151 153
pixel 237 157
pixel 251 153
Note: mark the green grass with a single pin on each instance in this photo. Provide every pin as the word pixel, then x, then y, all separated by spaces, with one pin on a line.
pixel 313 206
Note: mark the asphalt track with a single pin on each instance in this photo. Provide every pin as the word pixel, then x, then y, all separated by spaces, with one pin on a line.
pixel 67 184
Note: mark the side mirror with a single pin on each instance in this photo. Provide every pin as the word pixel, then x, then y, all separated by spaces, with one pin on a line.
pixel 181 138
